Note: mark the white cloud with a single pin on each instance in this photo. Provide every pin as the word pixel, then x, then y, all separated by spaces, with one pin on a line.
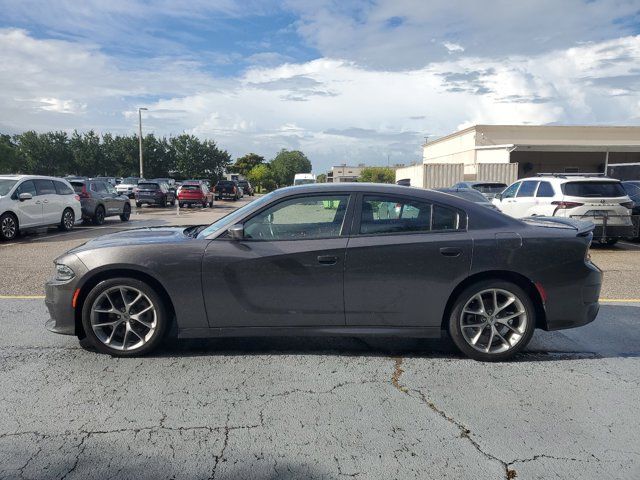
pixel 453 47
pixel 334 110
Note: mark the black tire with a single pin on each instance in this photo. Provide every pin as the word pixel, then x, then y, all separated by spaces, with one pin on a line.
pixel 204 204
pixel 163 203
pixel 173 202
pixel 67 221
pixel 98 215
pixel 138 205
pixel 126 212
pixel 9 227
pixel 519 341
pixel 162 317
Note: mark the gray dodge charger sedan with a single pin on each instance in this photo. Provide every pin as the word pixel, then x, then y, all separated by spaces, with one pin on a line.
pixel 332 259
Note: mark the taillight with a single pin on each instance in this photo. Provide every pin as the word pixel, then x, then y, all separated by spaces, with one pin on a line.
pixel 628 205
pixel 234 190
pixel 83 193
pixel 565 205
pixel 77 197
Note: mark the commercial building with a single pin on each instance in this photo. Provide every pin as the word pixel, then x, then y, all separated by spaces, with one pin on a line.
pixel 346 173
pixel 507 152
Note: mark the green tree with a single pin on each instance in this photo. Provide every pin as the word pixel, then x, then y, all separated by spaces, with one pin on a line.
pixel 121 155
pixel 377 175
pixel 286 164
pixel 261 177
pixel 322 178
pixel 197 159
pixel 45 153
pixel 246 163
pixel 10 159
pixel 86 154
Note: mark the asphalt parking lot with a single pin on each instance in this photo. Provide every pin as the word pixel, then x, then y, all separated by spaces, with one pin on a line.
pixel 313 408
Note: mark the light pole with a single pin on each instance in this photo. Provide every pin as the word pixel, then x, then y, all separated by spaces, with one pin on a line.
pixel 140 138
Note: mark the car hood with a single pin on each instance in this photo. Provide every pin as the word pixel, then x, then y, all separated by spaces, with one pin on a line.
pixel 139 236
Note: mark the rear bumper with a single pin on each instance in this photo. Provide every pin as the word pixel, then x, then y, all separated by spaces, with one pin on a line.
pixel 150 200
pixel 575 303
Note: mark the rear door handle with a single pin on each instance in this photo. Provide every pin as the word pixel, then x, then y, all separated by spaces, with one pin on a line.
pixel 327 259
pixel 45 201
pixel 451 251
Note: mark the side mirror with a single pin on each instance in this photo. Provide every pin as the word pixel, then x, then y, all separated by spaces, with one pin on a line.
pixel 236 232
pixel 498 196
pixel 24 196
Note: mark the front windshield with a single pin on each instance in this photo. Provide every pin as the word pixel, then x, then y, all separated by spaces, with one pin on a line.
pixel 303 181
pixel 234 216
pixel 130 181
pixel 6 186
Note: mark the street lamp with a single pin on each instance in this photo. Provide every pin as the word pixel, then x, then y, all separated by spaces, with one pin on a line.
pixel 140 137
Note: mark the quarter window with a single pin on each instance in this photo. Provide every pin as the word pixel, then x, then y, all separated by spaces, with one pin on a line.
pixel 318 216
pixel 62 189
pixel 527 189
pixel 44 187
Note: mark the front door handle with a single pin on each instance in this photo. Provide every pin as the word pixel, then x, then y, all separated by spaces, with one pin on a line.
pixel 327 259
pixel 451 251
pixel 45 201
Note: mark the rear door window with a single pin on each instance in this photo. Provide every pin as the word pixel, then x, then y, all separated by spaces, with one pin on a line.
pixel 545 190
pixel 596 189
pixel 527 189
pixel 44 187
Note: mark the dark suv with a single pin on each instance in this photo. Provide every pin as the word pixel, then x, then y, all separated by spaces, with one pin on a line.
pixel 98 200
pixel 154 193
pixel 227 189
pixel 246 187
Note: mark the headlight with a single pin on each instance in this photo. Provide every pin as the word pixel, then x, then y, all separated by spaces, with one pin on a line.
pixel 63 272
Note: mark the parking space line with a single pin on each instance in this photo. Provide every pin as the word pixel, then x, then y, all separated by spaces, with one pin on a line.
pixel 620 300
pixel 21 297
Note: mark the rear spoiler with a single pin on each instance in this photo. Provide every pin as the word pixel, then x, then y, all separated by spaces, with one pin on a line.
pixel 583 227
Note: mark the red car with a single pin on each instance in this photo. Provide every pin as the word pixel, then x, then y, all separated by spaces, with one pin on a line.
pixel 194 193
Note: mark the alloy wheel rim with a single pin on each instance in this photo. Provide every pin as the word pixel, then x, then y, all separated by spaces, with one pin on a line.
pixel 8 227
pixel 493 321
pixel 123 318
pixel 68 219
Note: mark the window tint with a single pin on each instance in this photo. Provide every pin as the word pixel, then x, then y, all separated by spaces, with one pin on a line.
pixel 100 187
pixel 148 186
pixel 44 187
pixel 593 189
pixel 511 191
pixel 27 187
pixel 527 189
pixel 6 186
pixel 489 187
pixel 110 188
pixel 318 216
pixel 77 186
pixel 545 190
pixel 62 189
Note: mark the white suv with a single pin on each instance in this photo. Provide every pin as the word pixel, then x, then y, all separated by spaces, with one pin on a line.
pixel 30 201
pixel 599 199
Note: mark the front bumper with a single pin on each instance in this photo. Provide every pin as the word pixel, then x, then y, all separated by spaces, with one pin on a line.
pixel 59 297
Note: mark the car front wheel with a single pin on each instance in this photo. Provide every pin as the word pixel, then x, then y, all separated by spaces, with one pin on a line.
pixel 124 317
pixel 8 226
pixel 492 320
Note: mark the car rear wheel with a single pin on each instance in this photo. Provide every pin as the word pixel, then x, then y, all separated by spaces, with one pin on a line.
pixel 126 212
pixel 124 317
pixel 98 216
pixel 492 320
pixel 68 220
pixel 8 226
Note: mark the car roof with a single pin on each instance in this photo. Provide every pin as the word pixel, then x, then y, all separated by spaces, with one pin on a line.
pixel 31 177
pixel 570 178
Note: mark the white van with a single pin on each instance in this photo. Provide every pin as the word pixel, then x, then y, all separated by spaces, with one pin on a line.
pixel 30 201
pixel 304 178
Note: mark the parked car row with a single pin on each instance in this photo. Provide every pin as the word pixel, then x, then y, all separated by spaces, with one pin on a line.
pixel 613 206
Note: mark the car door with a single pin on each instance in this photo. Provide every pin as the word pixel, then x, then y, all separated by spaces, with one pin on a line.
pixel 52 205
pixel 286 271
pixel 29 212
pixel 506 201
pixel 404 257
pixel 544 197
pixel 525 199
pixel 113 200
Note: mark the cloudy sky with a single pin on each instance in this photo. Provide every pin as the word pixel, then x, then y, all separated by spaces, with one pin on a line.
pixel 344 81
